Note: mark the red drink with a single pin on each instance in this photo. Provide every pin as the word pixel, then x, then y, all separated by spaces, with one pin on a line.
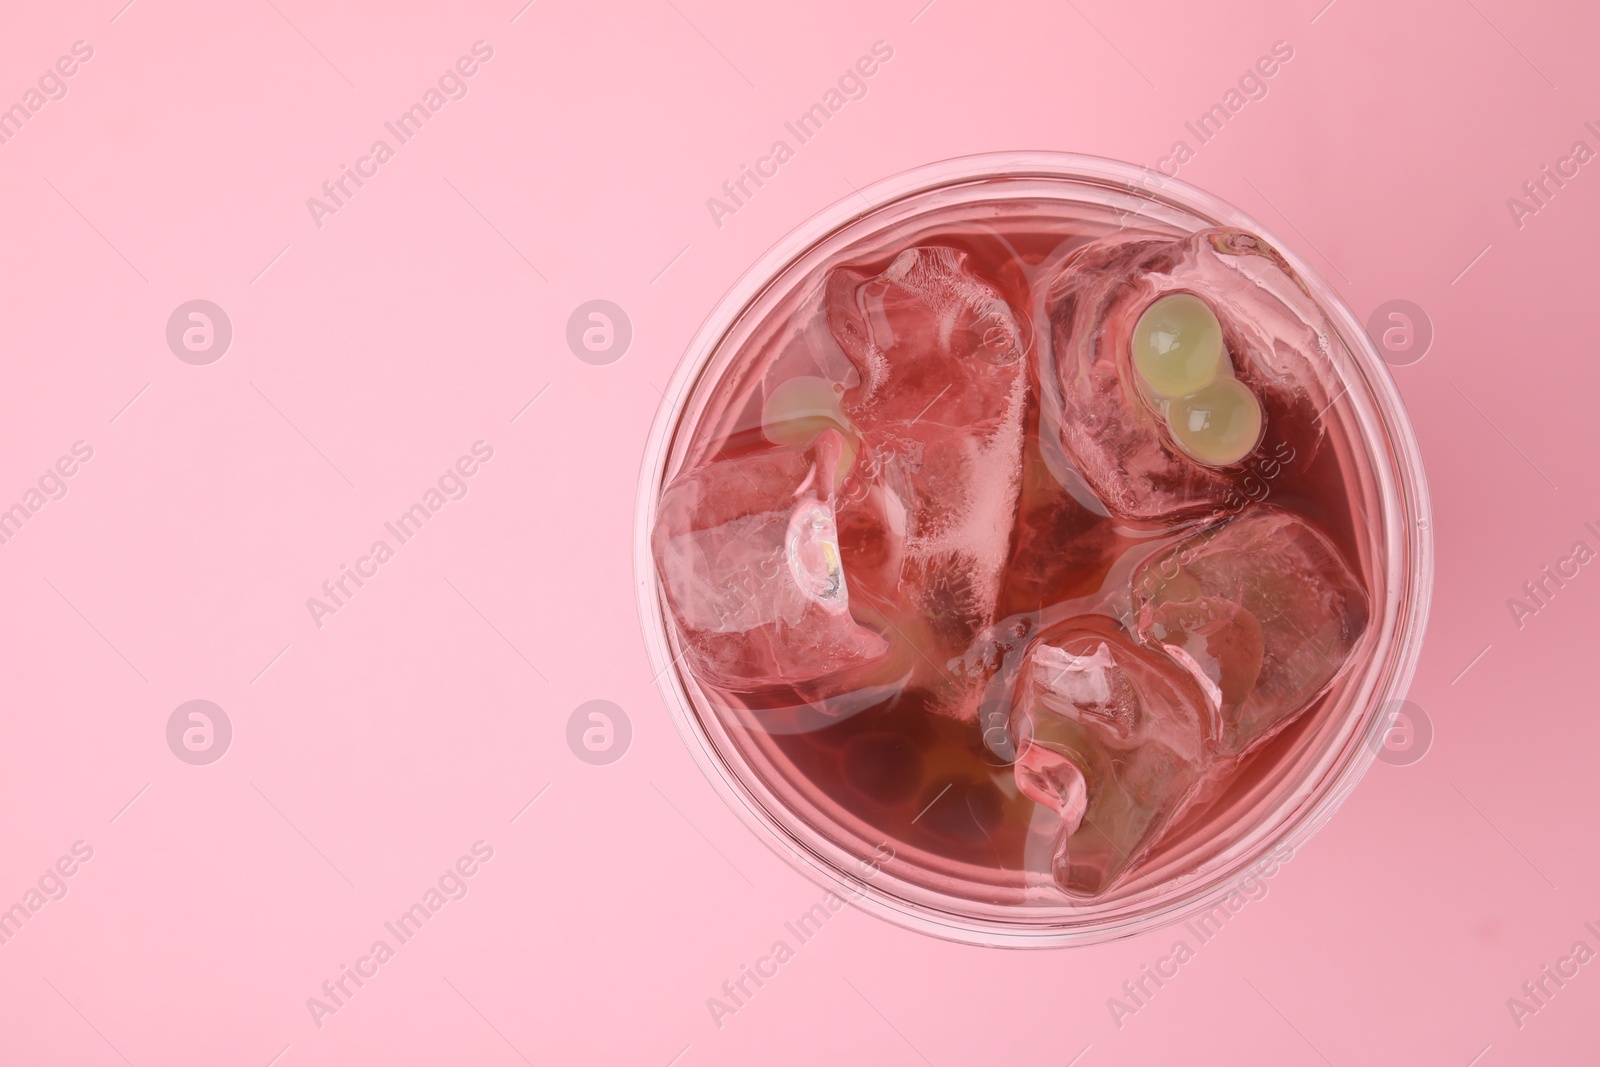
pixel 1020 553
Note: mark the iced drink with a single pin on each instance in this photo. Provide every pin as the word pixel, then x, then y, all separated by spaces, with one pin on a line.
pixel 1022 541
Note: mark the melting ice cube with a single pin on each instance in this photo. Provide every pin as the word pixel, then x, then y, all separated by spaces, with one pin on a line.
pixel 750 561
pixel 1154 458
pixel 1112 741
pixel 940 401
pixel 1262 610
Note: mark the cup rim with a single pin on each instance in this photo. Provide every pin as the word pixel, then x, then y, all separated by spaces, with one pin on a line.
pixel 1408 530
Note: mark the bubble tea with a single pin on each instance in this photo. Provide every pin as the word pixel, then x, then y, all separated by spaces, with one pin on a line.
pixel 1022 541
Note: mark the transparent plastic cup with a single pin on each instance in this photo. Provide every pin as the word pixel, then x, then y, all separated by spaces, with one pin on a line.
pixel 1296 782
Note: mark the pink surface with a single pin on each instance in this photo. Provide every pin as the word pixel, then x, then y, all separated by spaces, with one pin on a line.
pixel 372 754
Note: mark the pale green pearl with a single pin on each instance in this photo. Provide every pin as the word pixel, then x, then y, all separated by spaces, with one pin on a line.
pixel 799 409
pixel 1177 346
pixel 1219 425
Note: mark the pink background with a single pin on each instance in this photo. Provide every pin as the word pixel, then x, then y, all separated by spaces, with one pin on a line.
pixel 369 353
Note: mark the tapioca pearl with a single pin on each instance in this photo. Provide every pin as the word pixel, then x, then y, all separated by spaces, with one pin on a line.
pixel 1219 425
pixel 800 409
pixel 1177 346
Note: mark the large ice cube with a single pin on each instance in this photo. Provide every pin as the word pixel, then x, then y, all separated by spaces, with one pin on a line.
pixel 748 554
pixel 940 398
pixel 1277 340
pixel 1111 738
pixel 927 329
pixel 1261 610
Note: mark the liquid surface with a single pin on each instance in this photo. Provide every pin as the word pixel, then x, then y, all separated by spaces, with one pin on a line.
pixel 1017 542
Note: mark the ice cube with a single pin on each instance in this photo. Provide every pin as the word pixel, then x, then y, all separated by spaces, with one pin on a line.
pixel 959 492
pixel 926 330
pixel 1261 609
pixel 749 557
pixel 1115 425
pixel 940 400
pixel 1111 738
